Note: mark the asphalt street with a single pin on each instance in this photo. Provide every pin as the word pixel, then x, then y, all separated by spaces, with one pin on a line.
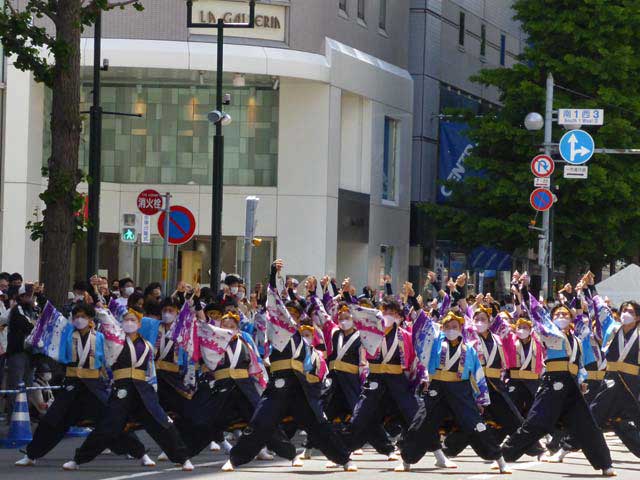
pixel 371 465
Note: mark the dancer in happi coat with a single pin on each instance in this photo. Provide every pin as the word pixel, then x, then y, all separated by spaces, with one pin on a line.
pixel 85 390
pixel 134 395
pixel 559 396
pixel 288 391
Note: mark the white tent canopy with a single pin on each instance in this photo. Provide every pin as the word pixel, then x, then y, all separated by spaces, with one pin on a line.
pixel 623 286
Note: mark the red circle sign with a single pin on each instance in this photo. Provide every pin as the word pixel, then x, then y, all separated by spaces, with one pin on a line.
pixel 542 166
pixel 182 225
pixel 541 199
pixel 149 202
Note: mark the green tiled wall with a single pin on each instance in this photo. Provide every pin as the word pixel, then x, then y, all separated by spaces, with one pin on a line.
pixel 173 141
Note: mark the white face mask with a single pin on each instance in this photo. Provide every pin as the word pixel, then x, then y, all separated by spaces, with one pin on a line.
pixel 233 290
pixel 129 326
pixel 523 333
pixel 80 322
pixel 128 291
pixel 388 320
pixel 168 317
pixel 346 324
pixel 562 323
pixel 482 327
pixel 452 334
pixel 240 296
pixel 78 298
pixel 47 377
pixel 626 318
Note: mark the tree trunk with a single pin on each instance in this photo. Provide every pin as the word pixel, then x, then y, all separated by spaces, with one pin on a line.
pixel 612 267
pixel 59 221
pixel 596 269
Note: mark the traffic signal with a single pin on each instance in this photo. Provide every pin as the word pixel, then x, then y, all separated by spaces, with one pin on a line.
pixel 128 234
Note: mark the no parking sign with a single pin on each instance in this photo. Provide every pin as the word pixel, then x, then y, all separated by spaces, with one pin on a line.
pixel 182 225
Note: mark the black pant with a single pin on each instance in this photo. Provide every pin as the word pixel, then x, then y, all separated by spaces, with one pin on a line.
pixel 226 404
pixel 617 403
pixel 69 408
pixel 379 393
pixel 501 414
pixel 283 397
pixel 114 420
pixel 441 400
pixel 559 399
pixel 170 399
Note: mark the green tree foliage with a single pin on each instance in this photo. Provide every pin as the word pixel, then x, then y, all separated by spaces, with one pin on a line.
pixel 593 48
pixel 43 36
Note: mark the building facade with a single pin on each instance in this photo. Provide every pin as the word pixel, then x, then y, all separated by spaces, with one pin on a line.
pixel 321 101
pixel 450 41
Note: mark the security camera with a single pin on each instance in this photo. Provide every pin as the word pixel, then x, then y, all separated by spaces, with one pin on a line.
pixel 226 99
pixel 105 64
pixel 214 116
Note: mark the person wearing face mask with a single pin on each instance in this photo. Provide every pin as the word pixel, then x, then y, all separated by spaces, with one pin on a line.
pixel 387 386
pixel 233 282
pixel 133 396
pixel 126 288
pixel 236 392
pixel 501 413
pixel 559 399
pixel 524 356
pixel 86 391
pixel 457 385
pixel 347 362
pixel 616 403
pixel 288 391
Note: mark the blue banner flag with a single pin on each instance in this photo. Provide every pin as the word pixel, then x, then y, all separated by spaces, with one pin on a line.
pixel 455 148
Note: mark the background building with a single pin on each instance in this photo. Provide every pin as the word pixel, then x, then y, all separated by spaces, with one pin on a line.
pixel 322 106
pixel 450 40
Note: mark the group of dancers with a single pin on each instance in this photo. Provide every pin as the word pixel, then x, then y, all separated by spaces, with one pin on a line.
pixel 403 374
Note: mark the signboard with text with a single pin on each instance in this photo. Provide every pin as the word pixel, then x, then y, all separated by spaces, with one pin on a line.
pixel 580 116
pixel 269 25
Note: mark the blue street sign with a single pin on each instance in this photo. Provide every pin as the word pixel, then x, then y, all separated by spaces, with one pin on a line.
pixel 182 225
pixel 577 147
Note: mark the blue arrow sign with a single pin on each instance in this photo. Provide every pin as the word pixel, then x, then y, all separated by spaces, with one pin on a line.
pixel 577 147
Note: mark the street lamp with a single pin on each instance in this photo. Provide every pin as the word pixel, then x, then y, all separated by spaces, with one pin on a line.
pixel 219 119
pixel 533 121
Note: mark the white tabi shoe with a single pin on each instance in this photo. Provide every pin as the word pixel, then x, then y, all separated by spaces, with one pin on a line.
pixel 358 452
pixel 226 447
pixel 227 467
pixel 187 466
pixel 331 465
pixel 146 461
pixel 25 462
pixel 297 462
pixel 442 461
pixel 214 447
pixel 306 454
pixel 70 466
pixel 402 467
pixel 163 457
pixel 557 457
pixel 107 451
pixel 609 472
pixel 393 456
pixel 350 467
pixel 504 468
pixel 264 455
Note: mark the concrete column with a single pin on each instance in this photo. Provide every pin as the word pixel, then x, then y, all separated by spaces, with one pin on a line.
pixel 22 179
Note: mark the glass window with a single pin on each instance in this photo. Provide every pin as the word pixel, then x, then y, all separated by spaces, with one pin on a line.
pixel 461 31
pixel 483 40
pixel 172 143
pixel 503 48
pixel 361 10
pixel 382 22
pixel 389 160
pixel 342 5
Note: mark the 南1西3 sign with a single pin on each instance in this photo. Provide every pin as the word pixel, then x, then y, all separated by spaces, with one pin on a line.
pixel 580 116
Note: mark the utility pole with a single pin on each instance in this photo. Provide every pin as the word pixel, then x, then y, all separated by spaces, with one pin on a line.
pixel 545 245
pixel 249 234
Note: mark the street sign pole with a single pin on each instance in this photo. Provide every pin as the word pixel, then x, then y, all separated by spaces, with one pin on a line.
pixel 249 233
pixel 165 243
pixel 545 254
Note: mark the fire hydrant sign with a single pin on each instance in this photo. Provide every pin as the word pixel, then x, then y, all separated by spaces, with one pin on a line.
pixel 149 202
